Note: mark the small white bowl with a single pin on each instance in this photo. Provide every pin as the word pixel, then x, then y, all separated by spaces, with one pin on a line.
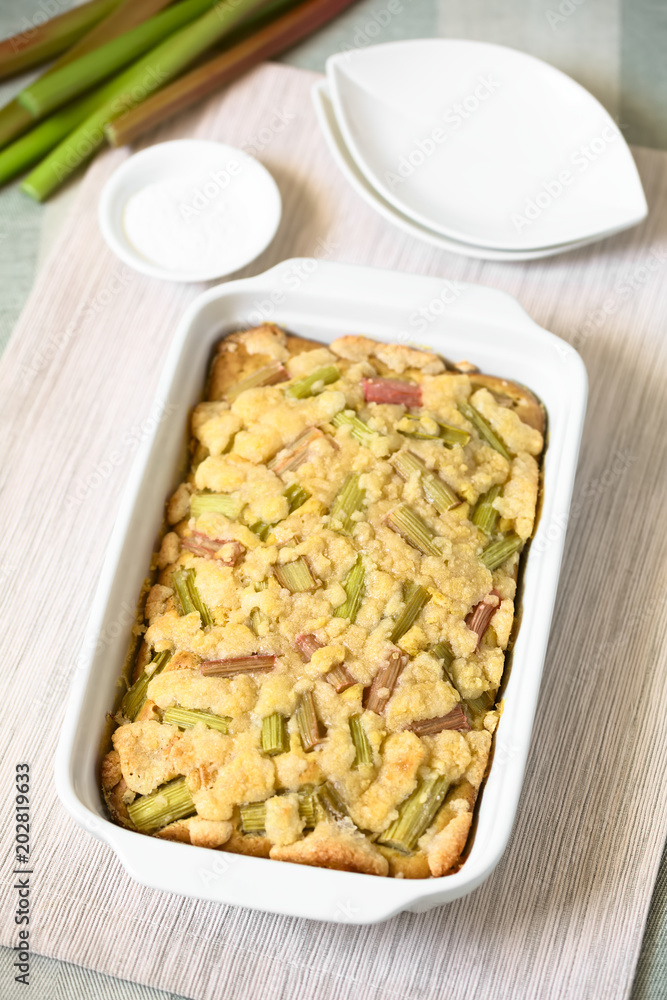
pixel 177 201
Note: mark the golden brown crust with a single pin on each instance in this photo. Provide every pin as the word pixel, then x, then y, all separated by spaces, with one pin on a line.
pixel 159 601
pixel 525 403
pixel 116 804
pixel 406 865
pixel 178 506
pixel 447 846
pixel 178 832
pixel 209 832
pixel 110 772
pixel 182 660
pixel 234 362
pixel 148 711
pixel 234 444
pixel 253 844
pixel 397 358
pixel 327 847
pixel 143 657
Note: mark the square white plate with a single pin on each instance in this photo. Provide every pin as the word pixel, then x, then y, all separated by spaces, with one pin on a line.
pixel 324 300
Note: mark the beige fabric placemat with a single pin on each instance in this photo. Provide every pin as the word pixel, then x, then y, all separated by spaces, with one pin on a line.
pixel 564 912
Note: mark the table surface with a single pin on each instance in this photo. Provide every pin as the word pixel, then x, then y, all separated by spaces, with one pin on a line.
pixel 615 48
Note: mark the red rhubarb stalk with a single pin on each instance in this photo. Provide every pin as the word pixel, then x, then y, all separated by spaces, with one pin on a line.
pixel 456 719
pixel 480 616
pixel 392 390
pixel 231 665
pixel 380 691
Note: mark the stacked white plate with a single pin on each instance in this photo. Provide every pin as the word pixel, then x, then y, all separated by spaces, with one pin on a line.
pixel 477 148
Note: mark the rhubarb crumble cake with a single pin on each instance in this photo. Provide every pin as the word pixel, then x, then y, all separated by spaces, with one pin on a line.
pixel 324 633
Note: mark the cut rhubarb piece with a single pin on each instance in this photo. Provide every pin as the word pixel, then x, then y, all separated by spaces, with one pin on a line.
pixel 381 690
pixel 269 375
pixel 231 665
pixel 392 390
pixel 456 719
pixel 340 678
pixel 298 452
pixel 209 548
pixel 480 616
pixel 307 644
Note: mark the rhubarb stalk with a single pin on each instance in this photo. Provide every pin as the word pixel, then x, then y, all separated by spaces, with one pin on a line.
pixel 15 120
pixel 44 41
pixel 277 36
pixel 64 84
pixel 150 73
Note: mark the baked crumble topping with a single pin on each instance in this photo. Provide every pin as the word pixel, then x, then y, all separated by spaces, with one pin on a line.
pixel 326 634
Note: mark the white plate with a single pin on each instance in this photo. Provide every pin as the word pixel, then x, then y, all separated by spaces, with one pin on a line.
pixel 323 300
pixel 217 194
pixel 484 144
pixel 332 135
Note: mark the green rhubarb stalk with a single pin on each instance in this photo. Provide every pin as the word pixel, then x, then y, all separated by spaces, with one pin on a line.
pixel 253 814
pixel 495 554
pixel 296 496
pixel 253 817
pixel 435 489
pixel 275 739
pixel 214 503
pixel 22 154
pixel 427 429
pixel 258 622
pixel 308 808
pixel 18 157
pixel 135 696
pixel 353 585
pixel 188 595
pixel 347 503
pixel 364 754
pixel 150 73
pixel 163 806
pixel 307 386
pixel 296 576
pixel 484 429
pixel 186 718
pixel 261 529
pixel 485 515
pixel 443 651
pixel 260 42
pixel 54 90
pixel 307 722
pixel 44 41
pixel 416 814
pixel 331 801
pixel 454 436
pixel 413 528
pixel 416 598
pixel 481 704
pixel 268 375
pixel 360 431
pixel 15 120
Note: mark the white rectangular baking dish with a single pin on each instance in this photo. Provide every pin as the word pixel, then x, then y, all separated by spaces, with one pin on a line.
pixel 323 300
